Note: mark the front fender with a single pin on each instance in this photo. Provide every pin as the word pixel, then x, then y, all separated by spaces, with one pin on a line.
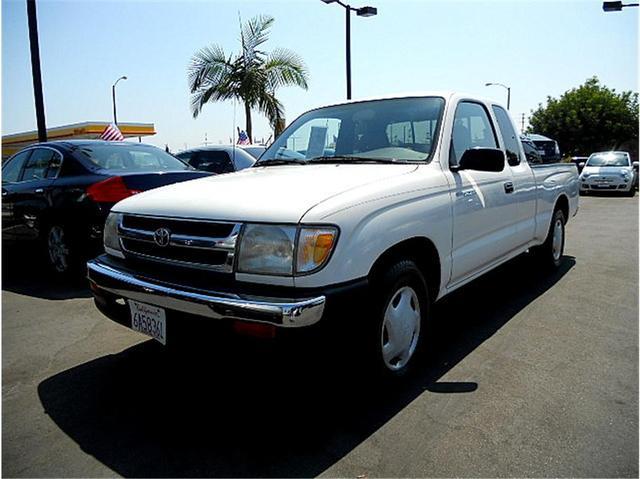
pixel 370 227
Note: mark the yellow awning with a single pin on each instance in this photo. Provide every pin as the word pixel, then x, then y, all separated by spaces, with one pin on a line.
pixel 88 130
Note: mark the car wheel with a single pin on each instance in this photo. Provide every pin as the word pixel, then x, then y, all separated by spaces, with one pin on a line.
pixel 61 256
pixel 399 318
pixel 551 251
pixel 631 193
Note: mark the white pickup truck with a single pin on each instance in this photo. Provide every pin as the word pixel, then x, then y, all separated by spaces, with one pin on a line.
pixel 360 214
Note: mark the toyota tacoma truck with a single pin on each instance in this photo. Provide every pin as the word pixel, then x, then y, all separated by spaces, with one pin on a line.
pixel 359 215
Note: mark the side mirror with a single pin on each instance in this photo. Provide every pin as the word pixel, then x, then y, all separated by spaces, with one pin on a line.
pixel 635 165
pixel 482 159
pixel 581 164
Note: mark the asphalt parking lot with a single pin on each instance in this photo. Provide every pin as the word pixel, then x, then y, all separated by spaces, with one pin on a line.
pixel 527 374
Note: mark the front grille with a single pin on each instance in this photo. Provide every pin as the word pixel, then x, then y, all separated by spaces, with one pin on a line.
pixel 175 253
pixel 190 243
pixel 184 227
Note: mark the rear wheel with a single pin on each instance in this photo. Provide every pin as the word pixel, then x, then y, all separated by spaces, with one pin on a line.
pixel 551 251
pixel 63 258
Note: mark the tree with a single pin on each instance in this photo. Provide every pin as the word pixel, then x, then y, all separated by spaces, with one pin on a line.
pixel 252 76
pixel 589 118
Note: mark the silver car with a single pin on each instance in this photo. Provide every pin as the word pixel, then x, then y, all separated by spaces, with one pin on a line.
pixel 609 171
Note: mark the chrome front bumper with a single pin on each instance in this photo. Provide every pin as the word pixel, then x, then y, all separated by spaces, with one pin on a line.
pixel 207 304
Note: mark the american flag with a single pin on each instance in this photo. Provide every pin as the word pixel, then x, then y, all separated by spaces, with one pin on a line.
pixel 243 139
pixel 112 133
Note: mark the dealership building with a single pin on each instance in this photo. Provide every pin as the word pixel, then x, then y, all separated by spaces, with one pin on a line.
pixel 77 131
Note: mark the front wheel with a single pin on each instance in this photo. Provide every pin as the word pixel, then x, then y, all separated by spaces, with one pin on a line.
pixel 400 313
pixel 551 251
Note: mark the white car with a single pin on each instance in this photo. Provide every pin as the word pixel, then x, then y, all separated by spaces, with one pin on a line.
pixel 395 203
pixel 609 171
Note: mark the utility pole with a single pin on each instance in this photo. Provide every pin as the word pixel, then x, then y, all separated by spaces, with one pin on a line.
pixel 522 123
pixel 35 69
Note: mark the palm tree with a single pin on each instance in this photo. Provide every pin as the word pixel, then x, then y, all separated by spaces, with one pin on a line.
pixel 252 76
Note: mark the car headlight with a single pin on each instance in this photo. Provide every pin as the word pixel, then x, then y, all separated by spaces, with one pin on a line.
pixel 625 176
pixel 110 235
pixel 267 249
pixel 585 176
pixel 314 247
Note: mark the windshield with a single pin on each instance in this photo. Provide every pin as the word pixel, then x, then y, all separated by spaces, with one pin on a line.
pixel 608 159
pixel 254 151
pixel 129 157
pixel 402 129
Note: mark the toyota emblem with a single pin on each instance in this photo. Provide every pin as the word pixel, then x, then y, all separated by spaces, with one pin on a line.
pixel 162 236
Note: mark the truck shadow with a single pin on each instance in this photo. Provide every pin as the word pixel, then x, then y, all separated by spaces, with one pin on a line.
pixel 24 271
pixel 260 410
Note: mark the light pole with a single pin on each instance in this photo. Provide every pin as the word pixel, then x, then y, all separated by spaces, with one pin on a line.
pixel 113 95
pixel 503 86
pixel 361 12
pixel 32 19
pixel 616 6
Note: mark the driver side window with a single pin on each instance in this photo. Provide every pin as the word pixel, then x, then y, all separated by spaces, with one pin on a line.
pixel 472 128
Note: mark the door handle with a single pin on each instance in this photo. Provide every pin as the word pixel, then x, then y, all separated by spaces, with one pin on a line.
pixel 39 190
pixel 508 187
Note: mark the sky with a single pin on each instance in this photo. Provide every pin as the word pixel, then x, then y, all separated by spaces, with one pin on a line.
pixel 539 48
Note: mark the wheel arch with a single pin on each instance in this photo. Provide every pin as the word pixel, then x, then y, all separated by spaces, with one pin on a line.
pixel 562 204
pixel 420 249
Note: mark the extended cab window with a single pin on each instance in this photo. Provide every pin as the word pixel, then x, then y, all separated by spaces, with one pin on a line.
pixel 472 128
pixel 511 141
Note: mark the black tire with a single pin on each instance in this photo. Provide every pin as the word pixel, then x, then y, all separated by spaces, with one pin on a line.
pixel 631 193
pixel 550 253
pixel 61 250
pixel 400 283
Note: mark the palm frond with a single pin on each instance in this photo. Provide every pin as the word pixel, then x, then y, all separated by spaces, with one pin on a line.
pixel 208 66
pixel 254 33
pixel 284 68
pixel 271 107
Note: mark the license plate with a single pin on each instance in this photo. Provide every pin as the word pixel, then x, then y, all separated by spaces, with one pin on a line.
pixel 149 320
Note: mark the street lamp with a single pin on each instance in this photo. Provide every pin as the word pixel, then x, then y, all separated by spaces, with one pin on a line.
pixel 503 86
pixel 113 95
pixel 361 12
pixel 616 6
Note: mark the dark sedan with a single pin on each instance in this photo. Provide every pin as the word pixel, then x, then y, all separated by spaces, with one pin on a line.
pixel 59 193
pixel 217 159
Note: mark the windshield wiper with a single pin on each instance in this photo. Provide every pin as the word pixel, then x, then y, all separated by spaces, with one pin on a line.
pixel 280 161
pixel 351 159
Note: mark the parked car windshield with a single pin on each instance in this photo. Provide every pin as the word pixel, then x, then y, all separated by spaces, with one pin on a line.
pixel 401 129
pixel 254 151
pixel 123 157
pixel 608 159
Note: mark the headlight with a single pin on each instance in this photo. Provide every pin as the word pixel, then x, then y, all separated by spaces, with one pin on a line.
pixel 314 247
pixel 585 176
pixel 625 176
pixel 267 249
pixel 110 235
